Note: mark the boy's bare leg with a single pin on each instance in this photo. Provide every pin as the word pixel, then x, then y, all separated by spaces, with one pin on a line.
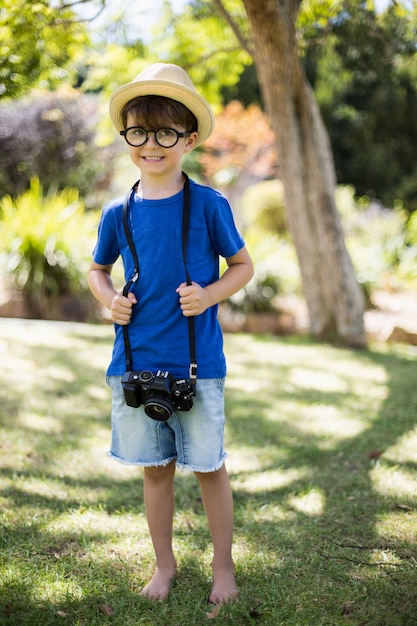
pixel 218 504
pixel 159 506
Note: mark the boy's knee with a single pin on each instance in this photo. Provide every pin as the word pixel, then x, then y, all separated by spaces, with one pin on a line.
pixel 209 476
pixel 159 472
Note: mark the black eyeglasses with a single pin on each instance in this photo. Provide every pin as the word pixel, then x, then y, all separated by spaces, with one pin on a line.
pixel 165 137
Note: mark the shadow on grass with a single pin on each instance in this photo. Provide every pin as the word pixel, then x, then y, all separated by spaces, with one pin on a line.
pixel 327 528
pixel 316 538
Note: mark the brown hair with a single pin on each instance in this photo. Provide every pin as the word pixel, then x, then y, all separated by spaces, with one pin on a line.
pixel 158 111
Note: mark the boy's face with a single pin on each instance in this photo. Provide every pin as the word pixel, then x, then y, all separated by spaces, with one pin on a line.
pixel 153 158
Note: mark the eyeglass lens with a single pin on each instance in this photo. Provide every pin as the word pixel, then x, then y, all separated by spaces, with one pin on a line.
pixel 165 137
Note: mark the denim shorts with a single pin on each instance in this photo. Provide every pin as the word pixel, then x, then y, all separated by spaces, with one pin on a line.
pixel 194 439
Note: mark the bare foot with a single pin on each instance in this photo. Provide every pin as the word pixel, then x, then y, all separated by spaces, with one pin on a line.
pixel 224 587
pixel 159 585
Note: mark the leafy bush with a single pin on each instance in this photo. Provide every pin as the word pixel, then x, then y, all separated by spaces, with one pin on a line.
pixel 412 229
pixel 273 256
pixel 276 273
pixel 380 242
pixel 51 137
pixel 407 266
pixel 263 205
pixel 46 244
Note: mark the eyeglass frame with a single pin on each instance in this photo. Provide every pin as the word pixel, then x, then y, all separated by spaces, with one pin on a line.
pixel 179 135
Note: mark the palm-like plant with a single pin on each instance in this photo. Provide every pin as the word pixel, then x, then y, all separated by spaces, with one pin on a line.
pixel 45 244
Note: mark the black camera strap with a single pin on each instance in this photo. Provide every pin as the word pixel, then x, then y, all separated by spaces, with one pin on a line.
pixel 136 274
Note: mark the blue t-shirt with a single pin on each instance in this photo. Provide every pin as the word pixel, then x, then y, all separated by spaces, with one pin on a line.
pixel 158 330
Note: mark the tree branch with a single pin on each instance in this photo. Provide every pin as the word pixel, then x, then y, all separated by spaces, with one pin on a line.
pixel 244 43
pixel 357 562
pixel 72 4
pixel 406 557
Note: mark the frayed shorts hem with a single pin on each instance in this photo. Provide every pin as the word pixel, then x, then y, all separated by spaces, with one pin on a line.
pixel 201 470
pixel 183 467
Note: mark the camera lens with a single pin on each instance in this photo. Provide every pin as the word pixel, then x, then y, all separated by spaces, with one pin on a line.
pixel 159 408
pixel 145 376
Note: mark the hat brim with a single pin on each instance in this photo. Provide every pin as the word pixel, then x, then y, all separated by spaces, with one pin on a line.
pixel 188 97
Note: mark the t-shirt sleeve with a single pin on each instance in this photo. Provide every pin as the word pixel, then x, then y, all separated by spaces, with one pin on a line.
pixel 225 236
pixel 106 250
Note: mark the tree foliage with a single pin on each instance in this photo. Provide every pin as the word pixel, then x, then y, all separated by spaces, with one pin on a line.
pixel 110 65
pixel 362 65
pixel 364 74
pixel 205 44
pixel 38 39
pixel 242 144
pixel 363 68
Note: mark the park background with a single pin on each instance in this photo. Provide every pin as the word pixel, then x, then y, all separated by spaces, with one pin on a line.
pixel 326 510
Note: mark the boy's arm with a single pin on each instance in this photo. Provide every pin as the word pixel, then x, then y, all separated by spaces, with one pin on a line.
pixel 195 299
pixel 101 285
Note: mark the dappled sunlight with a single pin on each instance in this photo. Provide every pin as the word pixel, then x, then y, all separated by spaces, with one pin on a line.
pixel 54 591
pixel 397 526
pixel 311 503
pixel 287 395
pixel 404 450
pixel 40 422
pixel 15 451
pixel 322 461
pixel 268 480
pixel 118 471
pixel 70 463
pixel 369 381
pixel 253 356
pixel 384 557
pixel 99 523
pixel 273 512
pixel 98 392
pixel 246 459
pixel 394 481
pixel 330 423
pixel 47 489
pixel 59 372
pixel 64 336
pixel 18 361
pixel 250 385
pixel 89 459
pixel 294 371
pixel 317 379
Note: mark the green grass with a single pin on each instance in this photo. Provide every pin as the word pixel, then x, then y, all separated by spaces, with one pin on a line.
pixel 324 534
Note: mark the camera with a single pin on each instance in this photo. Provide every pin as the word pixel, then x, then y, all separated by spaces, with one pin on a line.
pixel 160 393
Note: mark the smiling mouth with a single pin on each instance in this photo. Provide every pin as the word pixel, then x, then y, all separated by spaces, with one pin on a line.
pixel 152 158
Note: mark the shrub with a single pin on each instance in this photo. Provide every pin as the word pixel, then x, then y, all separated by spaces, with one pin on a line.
pixel 263 205
pixel 379 242
pixel 46 244
pixel 276 273
pixel 412 229
pixel 51 137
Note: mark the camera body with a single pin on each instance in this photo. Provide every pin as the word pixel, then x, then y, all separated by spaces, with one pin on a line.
pixel 160 393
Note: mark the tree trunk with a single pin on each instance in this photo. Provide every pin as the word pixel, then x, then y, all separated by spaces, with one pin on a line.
pixel 334 299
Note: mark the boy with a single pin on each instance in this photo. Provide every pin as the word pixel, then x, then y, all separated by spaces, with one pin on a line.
pixel 162 117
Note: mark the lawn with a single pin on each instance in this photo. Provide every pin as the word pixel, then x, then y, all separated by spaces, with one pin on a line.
pixel 322 449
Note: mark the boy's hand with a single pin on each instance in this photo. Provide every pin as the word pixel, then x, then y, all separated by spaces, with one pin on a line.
pixel 194 299
pixel 121 308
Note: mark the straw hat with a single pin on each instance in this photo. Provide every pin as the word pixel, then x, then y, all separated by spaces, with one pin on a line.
pixel 171 81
